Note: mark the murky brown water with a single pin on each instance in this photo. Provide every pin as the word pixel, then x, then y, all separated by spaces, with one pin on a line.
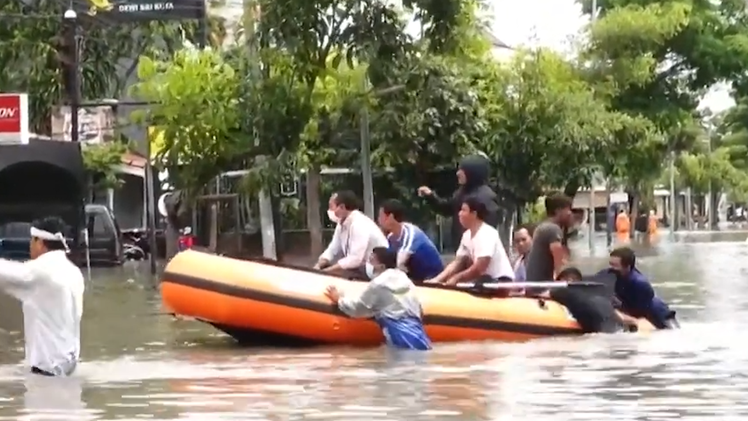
pixel 141 365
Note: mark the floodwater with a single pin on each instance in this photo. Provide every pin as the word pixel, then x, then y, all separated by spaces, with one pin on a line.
pixel 140 364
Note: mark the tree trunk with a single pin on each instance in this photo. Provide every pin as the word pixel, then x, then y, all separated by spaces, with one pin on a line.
pixel 714 210
pixel 633 211
pixel 313 217
pixel 171 238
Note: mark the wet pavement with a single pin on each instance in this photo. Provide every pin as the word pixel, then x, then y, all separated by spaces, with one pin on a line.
pixel 140 364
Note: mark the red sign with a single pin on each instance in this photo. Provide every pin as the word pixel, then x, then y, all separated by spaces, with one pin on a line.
pixel 14 118
pixel 10 113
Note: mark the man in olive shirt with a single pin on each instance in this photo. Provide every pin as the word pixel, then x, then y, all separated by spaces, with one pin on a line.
pixel 548 255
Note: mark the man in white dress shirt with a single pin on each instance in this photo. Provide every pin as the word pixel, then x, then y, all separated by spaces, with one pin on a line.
pixel 355 237
pixel 50 287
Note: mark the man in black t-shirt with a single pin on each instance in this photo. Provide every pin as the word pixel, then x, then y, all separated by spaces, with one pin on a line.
pixel 594 312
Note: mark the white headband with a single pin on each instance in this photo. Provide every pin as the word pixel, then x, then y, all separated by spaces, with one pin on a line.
pixel 46 235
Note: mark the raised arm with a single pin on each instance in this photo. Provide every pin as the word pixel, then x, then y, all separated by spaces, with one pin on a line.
pixel 442 206
pixel 16 278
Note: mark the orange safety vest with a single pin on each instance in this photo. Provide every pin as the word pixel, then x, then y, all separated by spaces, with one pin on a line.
pixel 623 224
pixel 652 226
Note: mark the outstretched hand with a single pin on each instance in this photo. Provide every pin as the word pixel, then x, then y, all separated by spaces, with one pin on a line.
pixel 425 191
pixel 333 294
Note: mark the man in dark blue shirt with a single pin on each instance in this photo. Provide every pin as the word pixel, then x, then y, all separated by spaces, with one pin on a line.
pixel 635 294
pixel 416 253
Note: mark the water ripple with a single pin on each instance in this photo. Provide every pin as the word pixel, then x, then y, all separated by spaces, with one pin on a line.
pixel 144 366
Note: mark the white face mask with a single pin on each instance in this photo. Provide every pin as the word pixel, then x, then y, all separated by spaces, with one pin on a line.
pixel 369 270
pixel 331 215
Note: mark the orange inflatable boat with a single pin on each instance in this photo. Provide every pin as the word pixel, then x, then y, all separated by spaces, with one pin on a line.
pixel 261 302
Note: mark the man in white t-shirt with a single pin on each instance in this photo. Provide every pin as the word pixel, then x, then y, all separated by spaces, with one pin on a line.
pixel 481 255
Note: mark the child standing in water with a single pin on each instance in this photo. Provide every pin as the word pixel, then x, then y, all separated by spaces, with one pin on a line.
pixel 390 299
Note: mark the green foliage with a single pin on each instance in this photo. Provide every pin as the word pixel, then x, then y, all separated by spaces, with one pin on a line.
pixel 702 171
pixel 549 128
pixel 292 98
pixel 31 43
pixel 653 61
pixel 102 160
pixel 432 121
pixel 534 212
pixel 198 112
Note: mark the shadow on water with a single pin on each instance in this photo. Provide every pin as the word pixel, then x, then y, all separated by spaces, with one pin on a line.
pixel 139 364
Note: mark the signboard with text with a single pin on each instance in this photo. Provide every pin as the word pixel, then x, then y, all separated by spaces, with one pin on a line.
pixel 14 118
pixel 95 124
pixel 141 10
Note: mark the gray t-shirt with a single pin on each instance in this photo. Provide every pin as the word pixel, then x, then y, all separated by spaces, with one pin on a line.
pixel 539 263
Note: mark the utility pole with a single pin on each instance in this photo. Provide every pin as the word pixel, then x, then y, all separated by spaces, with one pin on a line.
pixel 712 203
pixel 608 217
pixel 366 172
pixel 365 145
pixel 72 69
pixel 267 225
pixel 591 233
pixel 672 210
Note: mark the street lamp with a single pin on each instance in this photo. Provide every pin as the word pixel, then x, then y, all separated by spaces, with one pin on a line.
pixel 73 79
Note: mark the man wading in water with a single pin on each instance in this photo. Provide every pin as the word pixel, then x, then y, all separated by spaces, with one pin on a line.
pixel 51 289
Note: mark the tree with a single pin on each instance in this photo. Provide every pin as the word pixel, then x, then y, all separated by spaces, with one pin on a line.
pixel 34 54
pixel 318 36
pixel 435 118
pixel 733 131
pixel 654 60
pixel 549 129
pixel 198 111
pixel 100 162
pixel 705 171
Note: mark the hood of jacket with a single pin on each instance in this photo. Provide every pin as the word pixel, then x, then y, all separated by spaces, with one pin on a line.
pixel 476 169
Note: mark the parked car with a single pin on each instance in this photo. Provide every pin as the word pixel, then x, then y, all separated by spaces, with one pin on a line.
pixel 104 237
pixel 105 245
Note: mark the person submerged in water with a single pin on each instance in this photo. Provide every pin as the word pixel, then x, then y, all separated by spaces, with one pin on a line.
pixel 635 294
pixel 595 313
pixel 390 299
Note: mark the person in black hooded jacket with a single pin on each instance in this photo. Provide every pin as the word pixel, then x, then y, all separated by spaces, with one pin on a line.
pixel 472 176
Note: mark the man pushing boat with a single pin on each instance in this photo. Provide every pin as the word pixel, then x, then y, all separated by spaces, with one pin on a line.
pixel 355 237
pixel 390 299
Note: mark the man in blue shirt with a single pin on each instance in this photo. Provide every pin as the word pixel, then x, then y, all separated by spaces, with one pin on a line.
pixel 416 253
pixel 635 294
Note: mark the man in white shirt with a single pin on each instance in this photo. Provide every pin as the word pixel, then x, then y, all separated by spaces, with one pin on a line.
pixel 481 255
pixel 355 237
pixel 50 287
